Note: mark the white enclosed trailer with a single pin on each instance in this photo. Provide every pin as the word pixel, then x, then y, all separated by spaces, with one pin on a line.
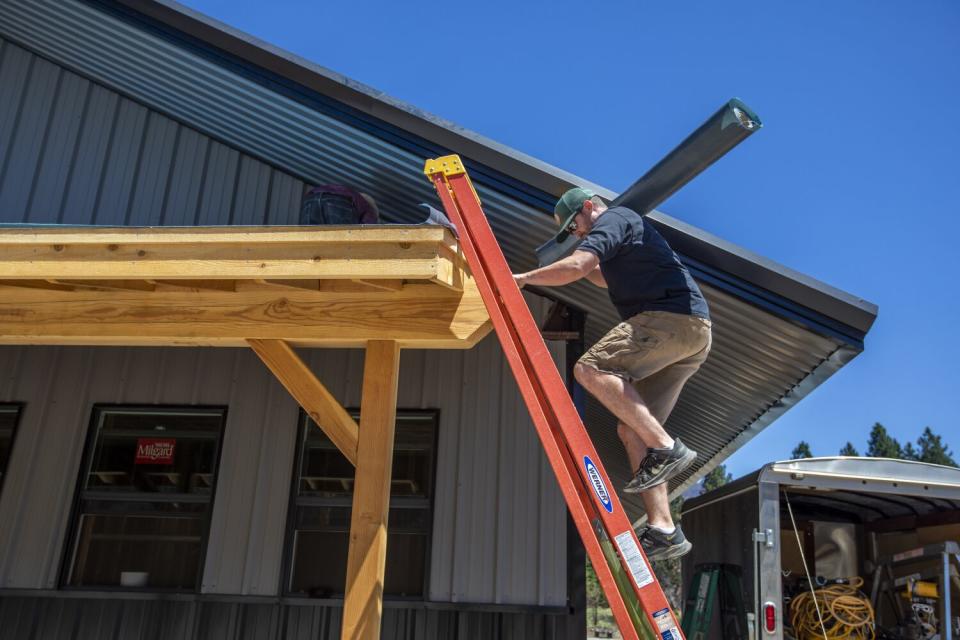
pixel 891 522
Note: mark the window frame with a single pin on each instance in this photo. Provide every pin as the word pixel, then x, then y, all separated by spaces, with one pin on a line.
pixel 287 562
pixel 79 495
pixel 15 408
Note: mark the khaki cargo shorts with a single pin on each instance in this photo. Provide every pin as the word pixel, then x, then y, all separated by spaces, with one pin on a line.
pixel 656 351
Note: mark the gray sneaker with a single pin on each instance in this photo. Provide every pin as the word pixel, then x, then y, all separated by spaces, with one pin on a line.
pixel 659 466
pixel 663 546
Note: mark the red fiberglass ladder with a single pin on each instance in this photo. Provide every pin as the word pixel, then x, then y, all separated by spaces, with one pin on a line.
pixel 611 544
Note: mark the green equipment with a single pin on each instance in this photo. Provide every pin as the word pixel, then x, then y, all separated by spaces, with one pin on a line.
pixel 710 580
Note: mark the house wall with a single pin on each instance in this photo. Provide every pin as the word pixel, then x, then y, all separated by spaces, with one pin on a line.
pixel 75 152
pixel 498 518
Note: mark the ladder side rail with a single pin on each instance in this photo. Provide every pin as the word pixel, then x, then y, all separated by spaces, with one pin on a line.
pixel 579 503
pixel 650 594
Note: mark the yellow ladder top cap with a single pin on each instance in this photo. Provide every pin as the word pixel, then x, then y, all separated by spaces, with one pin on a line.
pixel 450 165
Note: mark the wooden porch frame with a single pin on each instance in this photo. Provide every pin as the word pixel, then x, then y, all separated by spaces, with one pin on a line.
pixel 367 555
pixel 382 288
pixel 310 394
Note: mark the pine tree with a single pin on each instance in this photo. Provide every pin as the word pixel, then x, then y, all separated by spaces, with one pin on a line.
pixel 933 450
pixel 882 445
pixel 909 453
pixel 802 450
pixel 849 450
pixel 716 478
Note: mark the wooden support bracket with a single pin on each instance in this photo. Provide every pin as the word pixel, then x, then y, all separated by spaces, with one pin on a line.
pixel 366 558
pixel 319 403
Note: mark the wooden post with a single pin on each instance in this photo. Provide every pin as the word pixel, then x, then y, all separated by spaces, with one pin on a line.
pixel 366 559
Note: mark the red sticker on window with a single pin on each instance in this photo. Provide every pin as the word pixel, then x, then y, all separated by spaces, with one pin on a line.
pixel 155 450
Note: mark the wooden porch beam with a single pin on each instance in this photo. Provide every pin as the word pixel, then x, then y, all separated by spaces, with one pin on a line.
pixel 366 558
pixel 418 316
pixel 267 253
pixel 319 403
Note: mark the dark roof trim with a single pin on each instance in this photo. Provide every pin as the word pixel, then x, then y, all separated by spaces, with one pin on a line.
pixel 490 163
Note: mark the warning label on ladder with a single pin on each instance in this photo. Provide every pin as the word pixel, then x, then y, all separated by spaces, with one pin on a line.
pixel 665 626
pixel 630 552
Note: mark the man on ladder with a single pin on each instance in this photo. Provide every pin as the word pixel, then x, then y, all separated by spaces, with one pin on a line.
pixel 638 369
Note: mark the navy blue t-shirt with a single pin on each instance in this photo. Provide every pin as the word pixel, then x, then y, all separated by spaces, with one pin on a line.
pixel 642 272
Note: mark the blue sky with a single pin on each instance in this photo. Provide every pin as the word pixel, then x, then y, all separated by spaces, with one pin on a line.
pixel 854 180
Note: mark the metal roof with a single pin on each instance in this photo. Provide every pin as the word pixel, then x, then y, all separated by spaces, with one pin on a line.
pixel 777 333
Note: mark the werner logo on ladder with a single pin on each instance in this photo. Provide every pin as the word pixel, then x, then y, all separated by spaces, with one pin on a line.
pixel 635 597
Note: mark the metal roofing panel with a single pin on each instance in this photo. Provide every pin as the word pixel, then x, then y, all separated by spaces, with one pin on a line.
pixel 769 351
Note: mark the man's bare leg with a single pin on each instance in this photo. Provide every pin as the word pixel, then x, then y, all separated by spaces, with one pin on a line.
pixel 656 500
pixel 623 401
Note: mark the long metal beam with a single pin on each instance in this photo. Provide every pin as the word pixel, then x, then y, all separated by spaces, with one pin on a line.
pixel 732 123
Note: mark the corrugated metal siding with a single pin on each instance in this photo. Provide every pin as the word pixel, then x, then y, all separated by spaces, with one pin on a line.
pixel 23 618
pixel 499 518
pixel 59 387
pixel 74 152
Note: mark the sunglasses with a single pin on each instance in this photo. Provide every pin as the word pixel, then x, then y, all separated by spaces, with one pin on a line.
pixel 573 223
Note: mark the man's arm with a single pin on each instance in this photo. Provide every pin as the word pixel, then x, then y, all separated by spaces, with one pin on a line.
pixel 577 265
pixel 596 277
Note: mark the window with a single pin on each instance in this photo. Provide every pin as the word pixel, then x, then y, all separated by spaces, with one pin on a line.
pixel 322 501
pixel 145 498
pixel 9 414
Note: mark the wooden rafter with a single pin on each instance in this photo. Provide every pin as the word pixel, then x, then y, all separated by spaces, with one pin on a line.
pixel 194 285
pixel 366 558
pixel 386 285
pixel 35 284
pixel 106 285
